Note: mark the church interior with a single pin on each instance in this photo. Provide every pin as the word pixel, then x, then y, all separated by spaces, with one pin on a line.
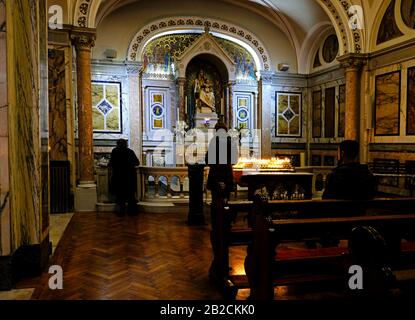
pixel 290 80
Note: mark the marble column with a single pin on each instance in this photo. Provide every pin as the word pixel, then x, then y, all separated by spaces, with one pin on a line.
pixel 230 109
pixel 4 142
pixel 86 193
pixel 136 115
pixel 182 100
pixel 265 106
pixel 352 63
pixel 365 114
pixel 26 204
pixel 84 40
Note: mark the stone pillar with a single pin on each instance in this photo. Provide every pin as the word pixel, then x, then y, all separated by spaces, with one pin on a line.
pixel 85 199
pixel 230 109
pixel 264 111
pixel 136 114
pixel 24 215
pixel 182 100
pixel 352 64
pixel 4 146
pixel 365 114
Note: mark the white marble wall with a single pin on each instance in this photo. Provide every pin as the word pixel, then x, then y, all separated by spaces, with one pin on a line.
pixel 135 112
pixel 4 165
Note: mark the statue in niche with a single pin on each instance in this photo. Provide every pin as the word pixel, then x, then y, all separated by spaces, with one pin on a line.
pixel 204 93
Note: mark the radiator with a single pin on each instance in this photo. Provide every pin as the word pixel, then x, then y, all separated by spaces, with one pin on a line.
pixel 60 187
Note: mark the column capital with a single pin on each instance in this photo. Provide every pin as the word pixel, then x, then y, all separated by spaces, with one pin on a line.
pixel 353 61
pixel 83 38
pixel 181 81
pixel 267 76
pixel 133 68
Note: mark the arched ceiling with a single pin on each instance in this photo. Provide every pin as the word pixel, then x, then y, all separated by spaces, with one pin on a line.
pixel 299 21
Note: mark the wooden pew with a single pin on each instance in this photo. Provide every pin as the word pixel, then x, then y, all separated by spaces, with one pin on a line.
pixel 265 269
pixel 223 235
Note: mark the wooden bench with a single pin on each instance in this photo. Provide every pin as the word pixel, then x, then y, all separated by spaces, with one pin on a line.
pixel 224 235
pixel 374 243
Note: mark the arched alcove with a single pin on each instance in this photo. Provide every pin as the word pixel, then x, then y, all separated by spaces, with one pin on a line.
pixel 213 71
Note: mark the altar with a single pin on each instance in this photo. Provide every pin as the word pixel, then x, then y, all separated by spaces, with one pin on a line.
pixel 275 178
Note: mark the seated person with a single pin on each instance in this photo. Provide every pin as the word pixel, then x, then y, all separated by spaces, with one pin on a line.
pixel 351 180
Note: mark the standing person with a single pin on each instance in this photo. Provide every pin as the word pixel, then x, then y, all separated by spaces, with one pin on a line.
pixel 351 180
pixel 124 177
pixel 221 156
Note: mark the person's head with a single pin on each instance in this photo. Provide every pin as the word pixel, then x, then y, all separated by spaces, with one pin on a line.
pixel 122 143
pixel 348 151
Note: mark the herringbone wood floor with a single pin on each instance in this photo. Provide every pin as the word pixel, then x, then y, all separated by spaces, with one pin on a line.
pixel 152 256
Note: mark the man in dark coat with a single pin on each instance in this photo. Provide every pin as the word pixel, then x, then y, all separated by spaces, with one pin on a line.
pixel 351 180
pixel 221 156
pixel 124 177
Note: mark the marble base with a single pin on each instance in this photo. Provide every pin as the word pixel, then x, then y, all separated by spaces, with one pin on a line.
pixel 6 274
pixel 206 120
pixel 86 198
pixel 27 261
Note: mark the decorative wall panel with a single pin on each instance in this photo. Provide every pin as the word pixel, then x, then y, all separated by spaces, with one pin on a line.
pixel 243 115
pixel 317 99
pixel 288 114
pixel 330 105
pixel 342 111
pixel 387 104
pixel 410 105
pixel 57 106
pixel 106 107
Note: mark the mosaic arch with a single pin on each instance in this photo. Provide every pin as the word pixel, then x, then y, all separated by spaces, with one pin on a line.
pixel 160 55
pixel 197 23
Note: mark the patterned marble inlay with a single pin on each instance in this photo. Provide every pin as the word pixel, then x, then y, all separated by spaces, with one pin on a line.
pixel 104 107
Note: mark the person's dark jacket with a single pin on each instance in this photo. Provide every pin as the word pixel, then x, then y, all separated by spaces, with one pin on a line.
pixel 220 172
pixel 124 175
pixel 350 181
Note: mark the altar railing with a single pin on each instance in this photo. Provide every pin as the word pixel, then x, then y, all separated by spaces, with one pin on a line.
pixel 171 184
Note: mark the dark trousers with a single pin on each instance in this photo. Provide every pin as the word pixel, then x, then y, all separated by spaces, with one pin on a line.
pixel 127 203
